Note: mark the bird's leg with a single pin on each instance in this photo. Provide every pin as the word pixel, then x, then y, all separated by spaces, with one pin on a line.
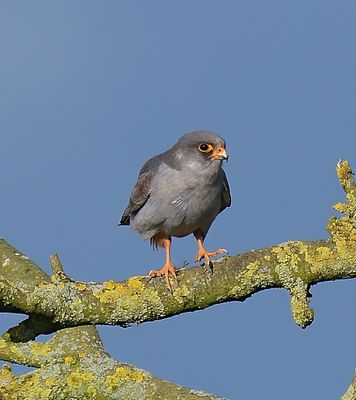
pixel 202 253
pixel 168 267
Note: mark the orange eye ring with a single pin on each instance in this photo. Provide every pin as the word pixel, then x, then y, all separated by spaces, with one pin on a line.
pixel 205 147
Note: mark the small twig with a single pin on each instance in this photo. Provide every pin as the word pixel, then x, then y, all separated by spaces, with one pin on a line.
pixel 345 175
pixel 57 269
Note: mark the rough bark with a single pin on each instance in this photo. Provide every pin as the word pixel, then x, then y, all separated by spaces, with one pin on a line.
pixel 74 364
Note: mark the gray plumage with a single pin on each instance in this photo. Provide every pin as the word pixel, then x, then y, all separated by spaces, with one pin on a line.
pixel 179 191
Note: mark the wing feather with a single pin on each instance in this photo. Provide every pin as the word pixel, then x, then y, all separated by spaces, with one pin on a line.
pixel 225 193
pixel 141 191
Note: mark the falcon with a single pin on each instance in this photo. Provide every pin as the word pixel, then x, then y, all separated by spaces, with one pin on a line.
pixel 180 192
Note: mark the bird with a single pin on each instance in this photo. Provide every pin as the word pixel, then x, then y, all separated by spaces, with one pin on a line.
pixel 178 193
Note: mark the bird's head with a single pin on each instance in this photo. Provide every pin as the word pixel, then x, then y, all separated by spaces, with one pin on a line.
pixel 202 147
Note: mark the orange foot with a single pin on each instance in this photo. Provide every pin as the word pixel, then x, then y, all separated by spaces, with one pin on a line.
pixel 167 269
pixel 202 253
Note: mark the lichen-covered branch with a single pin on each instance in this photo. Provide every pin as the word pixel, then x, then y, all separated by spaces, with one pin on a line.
pixel 292 265
pixel 58 303
pixel 74 365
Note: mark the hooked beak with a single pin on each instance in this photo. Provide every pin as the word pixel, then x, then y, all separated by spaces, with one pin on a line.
pixel 219 154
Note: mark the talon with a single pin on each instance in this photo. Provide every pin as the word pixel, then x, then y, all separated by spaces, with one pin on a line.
pixel 202 253
pixel 167 269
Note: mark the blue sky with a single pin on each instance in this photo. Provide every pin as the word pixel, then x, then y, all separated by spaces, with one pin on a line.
pixel 90 90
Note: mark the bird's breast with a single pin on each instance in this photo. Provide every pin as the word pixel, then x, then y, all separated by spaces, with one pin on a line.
pixel 185 200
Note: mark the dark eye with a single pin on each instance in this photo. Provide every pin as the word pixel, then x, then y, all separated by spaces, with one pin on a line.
pixel 205 147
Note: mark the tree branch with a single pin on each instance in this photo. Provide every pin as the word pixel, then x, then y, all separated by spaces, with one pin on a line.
pixel 294 266
pixel 74 365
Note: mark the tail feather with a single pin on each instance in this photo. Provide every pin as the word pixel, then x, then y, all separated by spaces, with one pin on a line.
pixel 125 220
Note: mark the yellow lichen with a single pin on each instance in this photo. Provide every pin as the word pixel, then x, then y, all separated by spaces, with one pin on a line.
pixel 181 293
pixel 302 247
pixel 112 289
pixel 125 374
pixel 135 283
pixel 131 298
pixel 77 379
pixel 253 266
pixel 6 337
pixel 276 250
pixel 110 285
pixel 91 391
pixel 5 374
pixel 341 207
pixel 343 234
pixel 317 258
pixel 105 296
pixel 68 360
pixel 80 286
pixel 249 273
pixel 51 382
pixel 294 259
pixel 40 349
pixel 283 253
pixel 343 171
pixel 29 383
pixel 302 314
pixel 323 253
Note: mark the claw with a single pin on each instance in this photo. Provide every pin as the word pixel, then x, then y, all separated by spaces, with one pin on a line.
pixel 202 253
pixel 167 269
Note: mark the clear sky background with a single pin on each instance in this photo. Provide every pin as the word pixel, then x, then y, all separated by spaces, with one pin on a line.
pixel 89 90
